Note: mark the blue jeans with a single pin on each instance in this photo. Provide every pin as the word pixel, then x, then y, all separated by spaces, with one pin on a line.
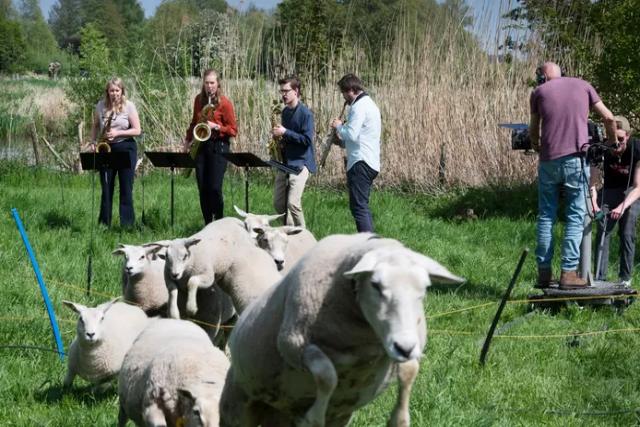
pixel 359 181
pixel 571 174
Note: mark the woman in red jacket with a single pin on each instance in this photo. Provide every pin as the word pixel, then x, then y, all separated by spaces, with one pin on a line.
pixel 210 165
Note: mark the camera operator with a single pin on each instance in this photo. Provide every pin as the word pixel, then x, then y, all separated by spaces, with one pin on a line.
pixel 620 193
pixel 558 128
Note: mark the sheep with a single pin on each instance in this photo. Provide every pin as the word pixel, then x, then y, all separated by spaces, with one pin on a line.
pixel 143 278
pixel 252 220
pixel 331 335
pixel 104 335
pixel 171 376
pixel 221 253
pixel 286 245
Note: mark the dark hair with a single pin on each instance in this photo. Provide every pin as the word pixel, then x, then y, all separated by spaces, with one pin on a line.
pixel 350 82
pixel 293 80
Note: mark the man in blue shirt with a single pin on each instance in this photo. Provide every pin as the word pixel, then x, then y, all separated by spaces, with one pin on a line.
pixel 297 133
pixel 361 136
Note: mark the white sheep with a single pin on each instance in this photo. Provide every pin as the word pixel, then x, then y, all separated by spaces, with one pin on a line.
pixel 104 335
pixel 252 220
pixel 143 278
pixel 286 245
pixel 171 376
pixel 331 335
pixel 221 253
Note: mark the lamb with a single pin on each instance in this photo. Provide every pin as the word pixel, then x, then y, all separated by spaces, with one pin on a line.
pixel 252 220
pixel 143 278
pixel 104 335
pixel 286 245
pixel 221 253
pixel 172 376
pixel 331 335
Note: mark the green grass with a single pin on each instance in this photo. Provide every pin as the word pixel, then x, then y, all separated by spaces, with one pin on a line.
pixel 553 377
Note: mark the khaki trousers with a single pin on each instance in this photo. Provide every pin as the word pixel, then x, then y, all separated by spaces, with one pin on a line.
pixel 287 196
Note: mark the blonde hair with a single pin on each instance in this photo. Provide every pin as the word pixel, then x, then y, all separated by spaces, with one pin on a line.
pixel 204 98
pixel 115 81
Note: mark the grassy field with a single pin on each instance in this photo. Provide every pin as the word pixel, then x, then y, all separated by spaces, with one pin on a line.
pixel 541 369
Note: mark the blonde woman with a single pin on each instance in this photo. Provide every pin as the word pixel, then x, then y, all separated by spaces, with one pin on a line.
pixel 120 117
pixel 210 165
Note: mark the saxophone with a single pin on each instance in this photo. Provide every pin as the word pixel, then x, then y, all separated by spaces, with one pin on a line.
pixel 103 143
pixel 331 140
pixel 202 131
pixel 274 146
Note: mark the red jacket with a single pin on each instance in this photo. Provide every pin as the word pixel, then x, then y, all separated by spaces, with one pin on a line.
pixel 223 116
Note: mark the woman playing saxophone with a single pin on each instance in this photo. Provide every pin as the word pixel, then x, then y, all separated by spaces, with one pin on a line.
pixel 210 165
pixel 116 121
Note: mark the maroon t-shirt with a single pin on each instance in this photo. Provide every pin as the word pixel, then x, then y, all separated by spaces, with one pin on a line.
pixel 563 105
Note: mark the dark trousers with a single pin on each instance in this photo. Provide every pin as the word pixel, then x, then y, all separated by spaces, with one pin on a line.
pixel 359 181
pixel 125 179
pixel 210 169
pixel 626 231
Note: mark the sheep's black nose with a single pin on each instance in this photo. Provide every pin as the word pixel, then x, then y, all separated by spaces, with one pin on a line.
pixel 403 350
pixel 174 276
pixel 279 264
pixel 90 334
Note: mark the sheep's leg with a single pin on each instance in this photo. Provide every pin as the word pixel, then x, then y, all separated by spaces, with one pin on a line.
pixel 407 373
pixel 122 417
pixel 174 313
pixel 192 290
pixel 153 416
pixel 235 408
pixel 325 376
pixel 69 377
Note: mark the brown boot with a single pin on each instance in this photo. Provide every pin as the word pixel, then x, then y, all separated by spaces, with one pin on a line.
pixel 544 278
pixel 570 280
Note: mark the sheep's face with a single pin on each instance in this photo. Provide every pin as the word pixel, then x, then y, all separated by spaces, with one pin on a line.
pixel 89 327
pixel 274 241
pixel 178 257
pixel 390 288
pixel 200 408
pixel 137 258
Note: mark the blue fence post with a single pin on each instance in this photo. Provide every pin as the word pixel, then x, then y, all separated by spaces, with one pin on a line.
pixel 43 287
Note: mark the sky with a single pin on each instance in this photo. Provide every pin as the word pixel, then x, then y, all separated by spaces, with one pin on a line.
pixel 486 13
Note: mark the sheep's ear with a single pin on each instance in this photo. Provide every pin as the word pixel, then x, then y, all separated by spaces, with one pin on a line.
pixel 78 308
pixel 155 251
pixel 108 305
pixel 290 230
pixel 437 272
pixel 274 217
pixel 260 230
pixel 121 250
pixel 242 213
pixel 161 243
pixel 191 241
pixel 365 266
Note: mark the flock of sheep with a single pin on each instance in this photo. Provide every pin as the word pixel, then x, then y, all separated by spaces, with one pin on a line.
pixel 321 328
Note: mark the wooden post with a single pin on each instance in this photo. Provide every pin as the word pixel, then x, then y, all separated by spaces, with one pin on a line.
pixel 34 143
pixel 442 166
pixel 78 166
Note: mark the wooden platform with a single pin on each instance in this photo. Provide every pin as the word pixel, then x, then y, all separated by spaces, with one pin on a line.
pixel 599 293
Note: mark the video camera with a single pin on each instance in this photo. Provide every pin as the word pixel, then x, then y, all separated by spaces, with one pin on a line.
pixel 597 147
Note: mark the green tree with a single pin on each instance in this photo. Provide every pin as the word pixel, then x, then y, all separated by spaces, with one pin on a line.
pixel 41 45
pixel 66 20
pixel 12 46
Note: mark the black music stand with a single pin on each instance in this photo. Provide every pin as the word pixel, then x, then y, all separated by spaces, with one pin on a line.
pixel 172 160
pixel 246 161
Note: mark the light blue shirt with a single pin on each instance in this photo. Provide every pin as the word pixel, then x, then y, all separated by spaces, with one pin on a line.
pixel 361 133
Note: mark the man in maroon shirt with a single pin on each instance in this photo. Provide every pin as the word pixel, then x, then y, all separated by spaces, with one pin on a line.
pixel 558 127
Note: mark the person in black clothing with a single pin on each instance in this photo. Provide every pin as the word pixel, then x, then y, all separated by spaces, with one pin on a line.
pixel 620 192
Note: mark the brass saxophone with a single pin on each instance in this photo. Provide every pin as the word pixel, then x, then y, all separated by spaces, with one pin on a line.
pixel 103 145
pixel 331 140
pixel 202 131
pixel 274 146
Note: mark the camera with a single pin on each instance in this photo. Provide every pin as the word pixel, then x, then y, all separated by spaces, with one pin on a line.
pixel 520 139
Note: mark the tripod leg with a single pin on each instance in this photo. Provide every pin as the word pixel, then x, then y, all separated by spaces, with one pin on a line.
pixel 246 188
pixel 172 190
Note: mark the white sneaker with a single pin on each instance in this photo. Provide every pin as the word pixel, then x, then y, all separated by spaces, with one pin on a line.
pixel 625 283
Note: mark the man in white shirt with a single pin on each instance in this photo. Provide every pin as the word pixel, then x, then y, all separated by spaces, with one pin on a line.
pixel 361 137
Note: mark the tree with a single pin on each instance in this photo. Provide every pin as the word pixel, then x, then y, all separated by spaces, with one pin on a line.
pixel 12 45
pixel 41 45
pixel 66 20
